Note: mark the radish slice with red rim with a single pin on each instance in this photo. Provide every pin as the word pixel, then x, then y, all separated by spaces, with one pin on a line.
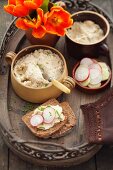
pixel 95 76
pixel 94 61
pixel 105 74
pixel 85 83
pixel 86 61
pixel 36 120
pixel 95 86
pixel 103 65
pixel 95 66
pixel 49 115
pixel 81 73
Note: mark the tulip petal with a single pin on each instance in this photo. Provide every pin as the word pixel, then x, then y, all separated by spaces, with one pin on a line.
pixel 67 24
pixel 57 8
pixel 20 11
pixel 13 2
pixel 40 13
pixel 33 4
pixel 30 23
pixel 50 28
pixel 30 5
pixel 9 9
pixel 55 30
pixel 45 17
pixel 38 2
pixel 39 32
pixel 19 2
pixel 60 31
pixel 21 24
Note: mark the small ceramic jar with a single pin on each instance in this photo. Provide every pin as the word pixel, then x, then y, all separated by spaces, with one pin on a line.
pixel 39 95
pixel 48 39
pixel 79 50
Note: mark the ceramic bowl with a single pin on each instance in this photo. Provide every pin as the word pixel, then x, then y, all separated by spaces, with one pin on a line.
pixel 79 50
pixel 38 95
pixel 88 89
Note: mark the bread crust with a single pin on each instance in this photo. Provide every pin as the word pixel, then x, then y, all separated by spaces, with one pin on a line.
pixel 44 133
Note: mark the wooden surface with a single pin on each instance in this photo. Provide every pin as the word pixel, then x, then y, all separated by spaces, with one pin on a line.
pixel 8 161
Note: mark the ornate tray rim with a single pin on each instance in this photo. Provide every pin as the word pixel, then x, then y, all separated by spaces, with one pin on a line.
pixel 23 146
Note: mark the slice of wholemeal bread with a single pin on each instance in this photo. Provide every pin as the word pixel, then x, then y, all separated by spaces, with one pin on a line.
pixel 44 133
pixel 71 121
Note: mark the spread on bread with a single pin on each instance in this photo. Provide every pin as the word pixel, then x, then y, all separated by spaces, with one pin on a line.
pixel 45 117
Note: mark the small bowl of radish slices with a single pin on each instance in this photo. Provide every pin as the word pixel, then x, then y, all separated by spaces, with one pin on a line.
pixel 91 75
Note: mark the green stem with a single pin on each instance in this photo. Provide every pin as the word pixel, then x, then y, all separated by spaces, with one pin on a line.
pixel 28 17
pixel 45 5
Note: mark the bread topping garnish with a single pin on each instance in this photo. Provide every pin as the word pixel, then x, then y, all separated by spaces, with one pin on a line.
pixel 45 117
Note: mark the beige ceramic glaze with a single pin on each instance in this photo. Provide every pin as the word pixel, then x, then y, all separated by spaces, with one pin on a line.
pixel 39 95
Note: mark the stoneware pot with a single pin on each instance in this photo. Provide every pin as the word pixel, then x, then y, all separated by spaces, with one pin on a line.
pixel 39 95
pixel 48 39
pixel 79 50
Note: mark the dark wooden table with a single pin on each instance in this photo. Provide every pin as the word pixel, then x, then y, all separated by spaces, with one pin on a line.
pixel 103 160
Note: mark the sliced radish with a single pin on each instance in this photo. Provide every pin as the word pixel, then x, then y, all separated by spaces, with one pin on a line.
pixel 85 83
pixel 86 61
pixel 95 76
pixel 103 65
pixel 94 86
pixel 105 74
pixel 36 120
pixel 82 73
pixel 49 114
pixel 105 71
pixel 95 66
pixel 94 61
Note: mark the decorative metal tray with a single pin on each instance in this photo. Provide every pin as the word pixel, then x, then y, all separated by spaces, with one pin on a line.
pixel 65 151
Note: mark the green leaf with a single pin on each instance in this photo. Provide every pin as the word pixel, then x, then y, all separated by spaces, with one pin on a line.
pixel 58 115
pixel 41 108
pixel 42 128
pixel 45 5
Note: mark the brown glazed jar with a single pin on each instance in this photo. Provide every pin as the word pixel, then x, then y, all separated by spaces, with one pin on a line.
pixel 79 50
pixel 48 39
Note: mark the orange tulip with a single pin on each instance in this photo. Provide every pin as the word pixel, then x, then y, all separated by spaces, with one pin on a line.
pixel 57 20
pixel 21 24
pixel 33 4
pixel 12 2
pixel 16 8
pixel 39 32
pixel 36 24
